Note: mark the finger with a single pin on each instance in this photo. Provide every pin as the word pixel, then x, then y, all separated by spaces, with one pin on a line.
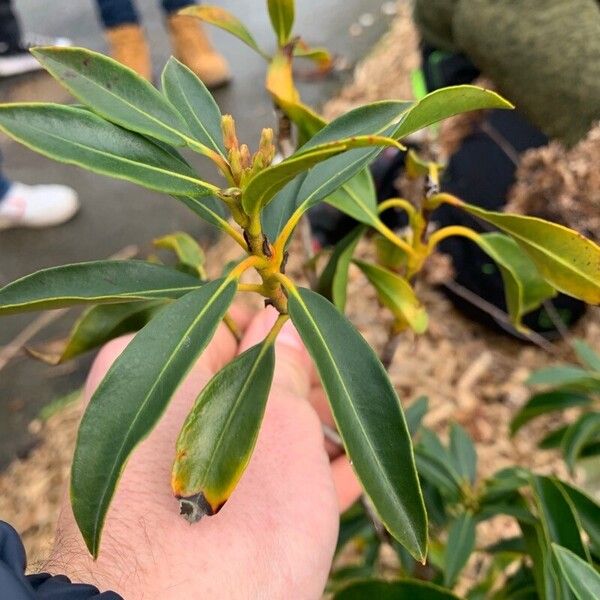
pixel 347 486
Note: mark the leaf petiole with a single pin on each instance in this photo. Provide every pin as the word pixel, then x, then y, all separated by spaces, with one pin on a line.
pixel 446 232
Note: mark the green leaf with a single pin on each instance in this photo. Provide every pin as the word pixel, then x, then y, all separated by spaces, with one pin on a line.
pixel 588 511
pixel 504 484
pixel 434 471
pixel 263 186
pixel 544 572
pixel 186 248
pixel 447 102
pixel 404 589
pixel 357 198
pixel 587 356
pixel 306 120
pixel 377 441
pixel 114 92
pixel 583 431
pixel 78 137
pixel 134 394
pixel 415 412
pixel 460 545
pixel 512 545
pixel 463 453
pixel 281 13
pixel 353 522
pixel 209 208
pixel 100 324
pixel 540 404
pixel 562 375
pixel 390 119
pixel 320 56
pixel 553 439
pixel 557 514
pixel 333 282
pixel 185 90
pixel 93 283
pixel 397 295
pixel 521 513
pixel 379 118
pixel 583 579
pixel 565 259
pixel 435 465
pixel 219 17
pixel 278 212
pixel 524 287
pixel 219 434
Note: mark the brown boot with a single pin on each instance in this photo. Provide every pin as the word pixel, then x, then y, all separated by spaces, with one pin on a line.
pixel 128 46
pixel 193 48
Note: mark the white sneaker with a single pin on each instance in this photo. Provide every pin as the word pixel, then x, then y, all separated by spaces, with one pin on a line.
pixel 37 206
pixel 16 61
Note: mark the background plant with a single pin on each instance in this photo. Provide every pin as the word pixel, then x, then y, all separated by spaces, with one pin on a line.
pixel 128 129
pixel 567 387
pixel 555 554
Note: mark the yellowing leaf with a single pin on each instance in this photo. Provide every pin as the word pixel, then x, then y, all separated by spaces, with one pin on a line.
pixel 280 79
pixel 524 288
pixel 187 250
pixel 219 17
pixel 218 436
pixel 397 294
pixel 565 259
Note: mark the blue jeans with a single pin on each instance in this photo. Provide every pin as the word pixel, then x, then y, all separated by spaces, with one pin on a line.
pixel 4 184
pixel 123 12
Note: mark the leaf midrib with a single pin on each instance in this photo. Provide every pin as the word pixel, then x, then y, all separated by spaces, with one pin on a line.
pixel 381 469
pixel 265 190
pixel 121 99
pixel 161 373
pixel 463 530
pixel 106 154
pixel 232 412
pixel 195 117
pixel 128 295
pixel 530 242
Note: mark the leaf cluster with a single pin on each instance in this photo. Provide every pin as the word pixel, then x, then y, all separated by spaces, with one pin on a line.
pixel 127 129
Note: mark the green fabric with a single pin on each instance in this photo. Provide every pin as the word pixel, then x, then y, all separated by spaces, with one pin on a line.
pixel 544 55
pixel 434 20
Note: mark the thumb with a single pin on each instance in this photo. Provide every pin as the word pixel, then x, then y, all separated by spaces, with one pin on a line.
pixel 293 367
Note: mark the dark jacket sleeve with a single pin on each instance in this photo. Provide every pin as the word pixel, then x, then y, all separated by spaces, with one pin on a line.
pixel 15 585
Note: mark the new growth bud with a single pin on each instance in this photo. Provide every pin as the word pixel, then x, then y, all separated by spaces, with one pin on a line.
pixel 229 136
pixel 266 147
pixel 266 151
pixel 245 156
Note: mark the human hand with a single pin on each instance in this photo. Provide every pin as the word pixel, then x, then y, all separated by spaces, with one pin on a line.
pixel 275 536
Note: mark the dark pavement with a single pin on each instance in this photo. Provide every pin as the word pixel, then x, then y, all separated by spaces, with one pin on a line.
pixel 115 213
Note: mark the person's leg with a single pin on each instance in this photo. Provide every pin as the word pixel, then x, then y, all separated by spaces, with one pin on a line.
pixel 171 6
pixel 10 31
pixel 5 184
pixel 192 46
pixel 125 35
pixel 117 12
pixel 14 56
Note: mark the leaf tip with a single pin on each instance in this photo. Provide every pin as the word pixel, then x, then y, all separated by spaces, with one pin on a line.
pixel 193 508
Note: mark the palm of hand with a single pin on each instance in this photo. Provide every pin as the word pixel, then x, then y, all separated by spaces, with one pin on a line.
pixel 276 535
